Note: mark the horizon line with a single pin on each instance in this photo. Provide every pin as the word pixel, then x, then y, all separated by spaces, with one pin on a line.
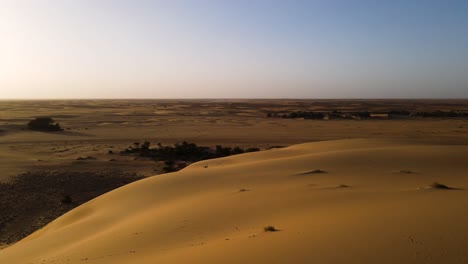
pixel 236 98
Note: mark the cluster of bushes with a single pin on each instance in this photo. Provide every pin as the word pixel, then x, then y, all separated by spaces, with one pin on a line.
pixel 45 124
pixel 299 114
pixel 439 114
pixel 322 115
pixel 442 114
pixel 177 156
pixel 399 113
pixel 366 114
pixel 305 115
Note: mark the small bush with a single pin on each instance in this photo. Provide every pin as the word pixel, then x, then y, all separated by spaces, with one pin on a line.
pixel 318 171
pixel 275 147
pixel 270 229
pixel 406 172
pixel 436 185
pixel 169 166
pixel 343 186
pixel 45 124
pixel 252 150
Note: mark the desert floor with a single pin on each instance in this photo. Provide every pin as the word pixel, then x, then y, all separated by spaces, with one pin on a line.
pixel 95 127
pixel 360 192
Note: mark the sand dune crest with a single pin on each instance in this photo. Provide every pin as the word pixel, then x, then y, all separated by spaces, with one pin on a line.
pixel 215 211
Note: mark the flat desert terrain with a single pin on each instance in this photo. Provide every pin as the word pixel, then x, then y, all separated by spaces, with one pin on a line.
pixel 374 190
pixel 92 128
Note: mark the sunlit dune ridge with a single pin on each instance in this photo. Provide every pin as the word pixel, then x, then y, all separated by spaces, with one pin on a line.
pixel 344 201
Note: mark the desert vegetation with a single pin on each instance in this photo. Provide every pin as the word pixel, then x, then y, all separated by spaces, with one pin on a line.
pixel 45 124
pixel 439 186
pixel 441 114
pixel 270 229
pixel 182 154
pixel 335 114
pixel 123 135
pixel 317 171
pixel 342 186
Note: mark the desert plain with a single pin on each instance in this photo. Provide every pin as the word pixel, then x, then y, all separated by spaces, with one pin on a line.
pixel 372 190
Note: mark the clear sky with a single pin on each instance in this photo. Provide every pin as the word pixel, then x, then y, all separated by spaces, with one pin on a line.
pixel 233 49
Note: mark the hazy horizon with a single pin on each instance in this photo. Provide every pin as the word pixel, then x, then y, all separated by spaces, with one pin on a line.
pixel 232 99
pixel 233 50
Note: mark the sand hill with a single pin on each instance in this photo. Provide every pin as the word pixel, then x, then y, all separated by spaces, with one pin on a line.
pixel 345 201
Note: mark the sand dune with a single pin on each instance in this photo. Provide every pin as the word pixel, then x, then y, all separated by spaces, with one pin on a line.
pixel 369 207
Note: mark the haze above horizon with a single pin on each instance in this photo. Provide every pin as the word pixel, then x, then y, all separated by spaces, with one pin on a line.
pixel 56 49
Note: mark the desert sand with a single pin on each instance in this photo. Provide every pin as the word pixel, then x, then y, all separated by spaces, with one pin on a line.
pixel 338 201
pixel 93 127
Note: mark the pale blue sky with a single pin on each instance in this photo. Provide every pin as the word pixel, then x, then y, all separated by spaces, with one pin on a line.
pixel 233 49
